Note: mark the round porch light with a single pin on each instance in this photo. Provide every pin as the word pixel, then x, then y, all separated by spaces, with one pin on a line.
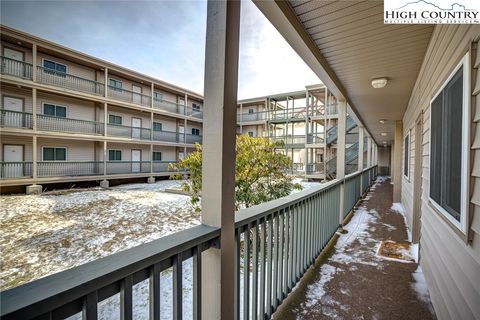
pixel 379 83
pixel 383 134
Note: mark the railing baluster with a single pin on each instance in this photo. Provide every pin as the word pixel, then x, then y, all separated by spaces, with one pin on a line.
pixel 90 306
pixel 155 292
pixel 126 298
pixel 275 272
pixel 269 264
pixel 290 241
pixel 236 273
pixel 262 269
pixel 177 287
pixel 197 282
pixel 255 270
pixel 246 273
pixel 281 258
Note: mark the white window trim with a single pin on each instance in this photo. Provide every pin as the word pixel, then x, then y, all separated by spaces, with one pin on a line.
pixel 407 176
pixel 462 224
pixel 51 60
pixel 121 154
pixel 56 105
pixel 56 147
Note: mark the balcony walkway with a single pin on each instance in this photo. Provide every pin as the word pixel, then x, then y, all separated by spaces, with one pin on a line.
pixel 352 282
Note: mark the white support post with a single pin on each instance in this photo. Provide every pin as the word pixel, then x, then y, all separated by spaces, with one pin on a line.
pixel 104 158
pixel 342 119
pixel 241 118
pixel 307 109
pixel 152 95
pixel 34 158
pixel 34 62
pixel 361 132
pixel 34 109
pixel 105 119
pixel 397 169
pixel 151 157
pixel 218 172
pixel 369 151
pixel 105 79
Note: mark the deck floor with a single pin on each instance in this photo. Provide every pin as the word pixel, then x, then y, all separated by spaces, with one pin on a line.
pixel 352 282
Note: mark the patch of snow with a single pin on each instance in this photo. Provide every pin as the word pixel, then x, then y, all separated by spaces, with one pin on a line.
pixel 420 287
pixel 316 291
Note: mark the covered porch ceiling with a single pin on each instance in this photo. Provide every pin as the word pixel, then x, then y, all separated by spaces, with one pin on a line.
pixel 347 45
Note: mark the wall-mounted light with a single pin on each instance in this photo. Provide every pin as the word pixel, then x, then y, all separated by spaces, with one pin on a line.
pixel 383 134
pixel 379 83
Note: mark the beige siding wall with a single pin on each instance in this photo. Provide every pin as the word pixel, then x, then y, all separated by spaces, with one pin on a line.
pixel 72 67
pixel 452 268
pixel 168 153
pixel 256 129
pixel 76 150
pixel 25 141
pixel 27 53
pixel 15 92
pixel 127 150
pixel 76 108
pixel 127 84
pixel 127 116
pixel 196 125
pixel 168 124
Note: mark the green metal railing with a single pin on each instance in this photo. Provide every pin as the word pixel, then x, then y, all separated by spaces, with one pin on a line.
pixel 119 167
pixel 129 96
pixel 295 140
pixel 353 191
pixel 13 170
pixel 315 138
pixel 15 68
pixel 255 116
pixel 169 106
pixel 116 130
pixel 69 168
pixel 58 124
pixel 69 81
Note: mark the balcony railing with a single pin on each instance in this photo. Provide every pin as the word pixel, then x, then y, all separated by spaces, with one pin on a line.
pixel 69 168
pixel 119 167
pixel 14 119
pixel 297 113
pixel 129 96
pixel 275 243
pixel 295 140
pixel 315 168
pixel 169 106
pixel 194 112
pixel 69 81
pixel 315 138
pixel 16 68
pixel 115 130
pixel 192 139
pixel 255 116
pixel 58 124
pixel 12 170
pixel 161 166
pixel 169 136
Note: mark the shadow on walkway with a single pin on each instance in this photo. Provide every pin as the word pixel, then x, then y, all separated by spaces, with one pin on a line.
pixel 352 282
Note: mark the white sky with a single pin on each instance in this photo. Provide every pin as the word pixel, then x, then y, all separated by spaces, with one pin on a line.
pixel 164 39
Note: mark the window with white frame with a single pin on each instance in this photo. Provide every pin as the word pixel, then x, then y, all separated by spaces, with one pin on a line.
pixel 55 68
pixel 54 110
pixel 54 154
pixel 449 144
pixel 113 119
pixel 114 155
pixel 406 156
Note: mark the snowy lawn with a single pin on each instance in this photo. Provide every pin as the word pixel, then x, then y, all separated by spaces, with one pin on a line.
pixel 48 233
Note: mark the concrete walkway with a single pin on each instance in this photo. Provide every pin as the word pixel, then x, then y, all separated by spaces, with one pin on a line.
pixel 352 282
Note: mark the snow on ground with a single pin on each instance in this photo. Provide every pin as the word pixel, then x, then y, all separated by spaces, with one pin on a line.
pixel 48 233
pixel 398 207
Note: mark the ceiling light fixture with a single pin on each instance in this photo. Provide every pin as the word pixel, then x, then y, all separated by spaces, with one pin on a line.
pixel 19 43
pixel 382 120
pixel 379 83
pixel 383 134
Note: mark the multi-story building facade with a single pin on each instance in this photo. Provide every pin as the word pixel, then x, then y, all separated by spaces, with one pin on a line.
pixel 69 117
pixel 66 116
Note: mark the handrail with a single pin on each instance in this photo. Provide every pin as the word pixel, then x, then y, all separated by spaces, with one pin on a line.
pixel 69 81
pixel 43 295
pixel 15 68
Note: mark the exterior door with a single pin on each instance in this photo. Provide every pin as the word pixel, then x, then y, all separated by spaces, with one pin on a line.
pixel 417 181
pixel 137 94
pixel 136 128
pixel 12 119
pixel 13 158
pixel 136 160
pixel 181 134
pixel 10 65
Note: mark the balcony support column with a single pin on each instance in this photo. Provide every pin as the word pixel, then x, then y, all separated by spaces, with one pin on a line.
pixel 241 118
pixel 104 158
pixel 105 79
pixel 342 119
pixel 397 155
pixel 361 132
pixel 105 118
pixel 218 172
pixel 34 157
pixel 34 109
pixel 305 162
pixel 369 151
pixel 34 62
pixel 152 95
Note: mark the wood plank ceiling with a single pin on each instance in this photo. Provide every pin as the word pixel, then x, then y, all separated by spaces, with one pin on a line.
pixel 359 47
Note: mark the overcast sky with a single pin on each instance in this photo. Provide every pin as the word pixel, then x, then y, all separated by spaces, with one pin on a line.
pixel 164 39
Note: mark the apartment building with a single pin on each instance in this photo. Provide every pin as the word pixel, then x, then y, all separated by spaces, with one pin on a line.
pixel 66 117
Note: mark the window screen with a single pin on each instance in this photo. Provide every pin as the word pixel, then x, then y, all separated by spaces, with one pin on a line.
pixel 446 149
pixel 114 155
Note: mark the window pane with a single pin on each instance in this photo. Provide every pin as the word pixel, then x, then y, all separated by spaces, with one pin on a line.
pixel 60 154
pixel 61 112
pixel 111 155
pixel 157 126
pixel 453 155
pixel 49 109
pixel 406 155
pixel 436 156
pixel 157 156
pixel 48 64
pixel 48 154
pixel 250 111
pixel 61 68
pixel 118 155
